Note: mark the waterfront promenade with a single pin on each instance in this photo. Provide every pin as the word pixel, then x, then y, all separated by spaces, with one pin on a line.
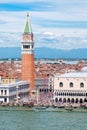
pixel 44 109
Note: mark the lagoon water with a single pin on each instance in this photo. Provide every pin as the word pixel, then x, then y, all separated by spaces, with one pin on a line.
pixel 30 120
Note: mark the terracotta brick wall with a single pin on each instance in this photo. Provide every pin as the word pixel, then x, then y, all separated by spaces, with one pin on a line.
pixel 28 37
pixel 28 69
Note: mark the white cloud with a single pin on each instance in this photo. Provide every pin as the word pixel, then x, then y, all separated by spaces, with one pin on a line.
pixel 10 39
pixel 12 25
pixel 12 21
pixel 59 9
pixel 63 39
pixel 59 15
pixel 59 39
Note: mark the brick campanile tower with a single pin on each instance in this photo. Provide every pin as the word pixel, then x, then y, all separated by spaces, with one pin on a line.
pixel 28 55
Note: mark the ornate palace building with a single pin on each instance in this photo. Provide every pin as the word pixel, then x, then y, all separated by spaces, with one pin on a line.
pixel 28 54
pixel 14 92
pixel 70 87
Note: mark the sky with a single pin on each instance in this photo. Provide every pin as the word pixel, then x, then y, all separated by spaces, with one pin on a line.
pixel 59 24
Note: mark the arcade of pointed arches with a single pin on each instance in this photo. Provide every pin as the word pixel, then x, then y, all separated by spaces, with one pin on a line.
pixel 70 96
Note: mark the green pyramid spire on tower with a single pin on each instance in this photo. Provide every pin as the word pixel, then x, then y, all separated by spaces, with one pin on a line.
pixel 28 28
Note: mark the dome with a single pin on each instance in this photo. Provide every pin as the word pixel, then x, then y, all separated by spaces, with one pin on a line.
pixel 84 69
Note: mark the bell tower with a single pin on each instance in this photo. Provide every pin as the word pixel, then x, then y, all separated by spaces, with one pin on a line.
pixel 27 48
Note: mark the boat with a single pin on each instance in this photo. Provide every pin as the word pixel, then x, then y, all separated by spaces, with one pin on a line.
pixel 40 108
pixel 61 106
pixel 69 108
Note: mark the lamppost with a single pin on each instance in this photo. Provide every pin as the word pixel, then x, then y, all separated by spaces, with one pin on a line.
pixel 37 94
pixel 17 94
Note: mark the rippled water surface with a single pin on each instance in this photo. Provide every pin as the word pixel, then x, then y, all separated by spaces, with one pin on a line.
pixel 26 120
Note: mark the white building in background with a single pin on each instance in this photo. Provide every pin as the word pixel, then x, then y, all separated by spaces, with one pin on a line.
pixel 12 91
pixel 70 87
pixel 41 82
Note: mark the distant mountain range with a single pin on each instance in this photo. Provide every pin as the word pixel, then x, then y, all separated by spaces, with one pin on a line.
pixel 15 52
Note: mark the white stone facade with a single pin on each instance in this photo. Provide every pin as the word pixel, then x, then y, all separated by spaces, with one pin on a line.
pixel 27 47
pixel 69 87
pixel 9 92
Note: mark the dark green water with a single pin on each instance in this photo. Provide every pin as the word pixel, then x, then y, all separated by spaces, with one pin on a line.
pixel 26 120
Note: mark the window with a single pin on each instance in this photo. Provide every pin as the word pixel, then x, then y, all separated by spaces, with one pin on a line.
pixel 68 100
pixel 1 92
pixel 71 84
pixel 81 100
pixel 5 99
pixel 60 99
pixel 72 100
pixel 56 99
pixel 64 100
pixel 61 84
pixel 32 46
pixel 81 84
pixel 26 46
pixel 3 81
pixel 5 92
pixel 6 81
pixel 77 100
